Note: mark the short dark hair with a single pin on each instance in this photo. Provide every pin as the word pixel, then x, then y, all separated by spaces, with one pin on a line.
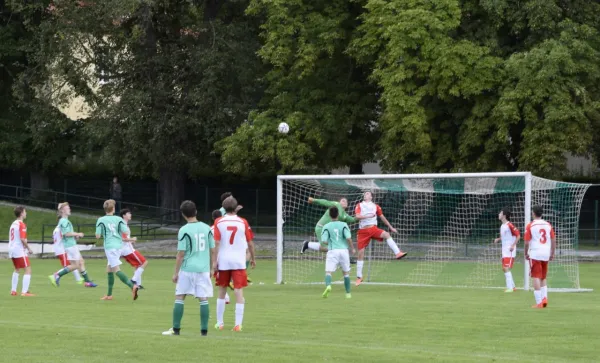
pixel 537 210
pixel 334 212
pixel 123 212
pixel 188 209
pixel 225 196
pixel 230 204
pixel 506 213
pixel 216 214
pixel 19 210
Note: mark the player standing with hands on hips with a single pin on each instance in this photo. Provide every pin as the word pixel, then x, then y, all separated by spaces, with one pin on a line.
pixel 540 244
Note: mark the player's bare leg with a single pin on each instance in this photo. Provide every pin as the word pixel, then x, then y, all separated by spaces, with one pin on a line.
pixel 390 242
pixel 221 307
pixel 537 293
pixel 544 291
pixel 15 282
pixel 137 275
pixel 360 262
pixel 240 303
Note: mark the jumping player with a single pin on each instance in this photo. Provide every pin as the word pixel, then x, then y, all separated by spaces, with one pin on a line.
pixel 216 214
pixel 367 212
pixel 538 251
pixel 69 242
pixel 59 252
pixel 131 255
pixel 341 205
pixel 195 248
pixel 509 235
pixel 232 236
pixel 17 252
pixel 111 228
pixel 338 238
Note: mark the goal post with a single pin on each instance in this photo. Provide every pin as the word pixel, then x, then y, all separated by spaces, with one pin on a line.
pixel 446 222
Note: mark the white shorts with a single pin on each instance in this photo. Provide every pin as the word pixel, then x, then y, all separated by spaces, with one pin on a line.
pixel 73 253
pixel 197 284
pixel 113 257
pixel 337 258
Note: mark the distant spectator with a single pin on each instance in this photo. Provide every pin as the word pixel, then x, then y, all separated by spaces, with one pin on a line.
pixel 116 193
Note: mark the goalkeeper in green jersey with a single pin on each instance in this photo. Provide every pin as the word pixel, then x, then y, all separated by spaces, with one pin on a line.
pixel 339 243
pixel 341 206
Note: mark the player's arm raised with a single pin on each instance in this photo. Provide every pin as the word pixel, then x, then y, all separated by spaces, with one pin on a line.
pixel 321 202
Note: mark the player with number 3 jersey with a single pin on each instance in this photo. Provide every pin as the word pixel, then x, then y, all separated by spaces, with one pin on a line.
pixel 540 244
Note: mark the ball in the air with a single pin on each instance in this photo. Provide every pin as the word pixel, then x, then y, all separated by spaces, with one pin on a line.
pixel 284 128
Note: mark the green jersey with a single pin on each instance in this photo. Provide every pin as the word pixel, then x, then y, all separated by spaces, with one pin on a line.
pixel 336 233
pixel 343 216
pixel 66 227
pixel 111 228
pixel 223 212
pixel 196 239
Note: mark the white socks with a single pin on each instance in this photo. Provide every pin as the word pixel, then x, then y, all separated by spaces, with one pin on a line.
pixel 393 246
pixel 220 310
pixel 77 275
pixel 510 283
pixel 359 268
pixel 315 246
pixel 544 291
pixel 538 296
pixel 15 281
pixel 227 298
pixel 26 281
pixel 239 314
pixel 137 275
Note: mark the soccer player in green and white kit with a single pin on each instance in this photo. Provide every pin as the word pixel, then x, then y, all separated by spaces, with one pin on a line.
pixel 343 216
pixel 111 228
pixel 337 236
pixel 195 249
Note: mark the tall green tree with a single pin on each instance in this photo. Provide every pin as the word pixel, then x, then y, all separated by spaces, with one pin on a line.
pixel 314 86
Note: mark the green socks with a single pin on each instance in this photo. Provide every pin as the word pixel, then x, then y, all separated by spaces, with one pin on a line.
pixel 111 283
pixel 63 272
pixel 85 276
pixel 178 314
pixel 124 279
pixel 347 284
pixel 327 280
pixel 204 314
pixel 247 264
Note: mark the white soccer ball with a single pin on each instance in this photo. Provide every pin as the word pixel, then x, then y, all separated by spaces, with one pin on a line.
pixel 284 128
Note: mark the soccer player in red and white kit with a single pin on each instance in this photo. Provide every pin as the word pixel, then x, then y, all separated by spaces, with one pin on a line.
pixel 131 255
pixel 540 244
pixel 367 212
pixel 232 236
pixel 509 235
pixel 17 251
pixel 216 214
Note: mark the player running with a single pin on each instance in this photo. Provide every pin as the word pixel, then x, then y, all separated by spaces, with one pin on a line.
pixel 341 205
pixel 69 242
pixel 216 214
pixel 509 235
pixel 61 254
pixel 111 228
pixel 195 249
pixel 233 236
pixel 538 251
pixel 338 238
pixel 367 212
pixel 17 252
pixel 131 255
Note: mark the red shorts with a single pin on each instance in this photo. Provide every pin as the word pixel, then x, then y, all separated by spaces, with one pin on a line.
pixel 239 277
pixel 365 235
pixel 64 261
pixel 135 259
pixel 539 269
pixel 508 262
pixel 21 262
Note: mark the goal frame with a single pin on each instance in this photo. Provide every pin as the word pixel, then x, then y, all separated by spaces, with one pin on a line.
pixel 280 178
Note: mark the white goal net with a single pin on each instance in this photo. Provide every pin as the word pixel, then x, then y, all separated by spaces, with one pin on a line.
pixel 446 223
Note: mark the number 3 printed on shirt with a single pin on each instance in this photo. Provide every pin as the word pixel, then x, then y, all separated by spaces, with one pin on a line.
pixel 543 238
pixel 233 230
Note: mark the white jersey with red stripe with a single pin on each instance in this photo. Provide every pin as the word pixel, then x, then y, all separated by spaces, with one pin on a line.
pixel 539 234
pixel 127 248
pixel 508 235
pixel 234 233
pixel 57 237
pixel 368 209
pixel 17 233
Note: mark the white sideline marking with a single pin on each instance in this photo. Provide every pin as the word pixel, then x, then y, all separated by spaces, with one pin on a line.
pixel 238 337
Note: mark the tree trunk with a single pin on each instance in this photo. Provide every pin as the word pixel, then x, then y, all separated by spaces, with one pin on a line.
pixel 356 169
pixel 172 187
pixel 39 184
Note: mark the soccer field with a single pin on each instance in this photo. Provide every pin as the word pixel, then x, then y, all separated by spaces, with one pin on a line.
pixel 292 323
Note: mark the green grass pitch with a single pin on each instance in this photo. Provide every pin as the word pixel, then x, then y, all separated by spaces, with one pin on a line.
pixel 292 323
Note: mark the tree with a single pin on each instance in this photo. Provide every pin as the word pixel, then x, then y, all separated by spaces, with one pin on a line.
pixel 314 86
